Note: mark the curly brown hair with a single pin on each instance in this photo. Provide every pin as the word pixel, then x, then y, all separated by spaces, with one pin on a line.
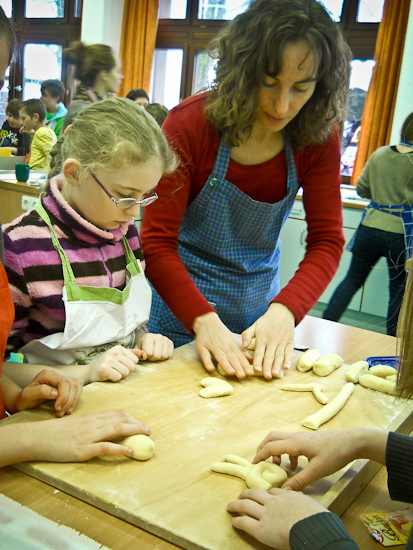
pixel 251 46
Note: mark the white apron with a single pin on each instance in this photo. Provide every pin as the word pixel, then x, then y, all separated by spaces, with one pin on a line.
pixel 96 318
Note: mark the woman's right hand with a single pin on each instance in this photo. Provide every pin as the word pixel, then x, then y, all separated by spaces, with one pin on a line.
pixel 115 364
pixel 215 341
pixel 325 455
pixel 79 438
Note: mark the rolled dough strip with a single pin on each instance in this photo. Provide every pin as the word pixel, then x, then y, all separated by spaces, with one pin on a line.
pixel 307 360
pixel 331 409
pixel 223 373
pixel 265 475
pixel 327 363
pixel 314 387
pixel 143 447
pixel 356 370
pixel 234 466
pixel 392 378
pixel 210 381
pixel 382 370
pixel 379 384
pixel 217 390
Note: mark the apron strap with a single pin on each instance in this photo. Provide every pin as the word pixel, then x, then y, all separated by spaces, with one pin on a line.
pixel 68 275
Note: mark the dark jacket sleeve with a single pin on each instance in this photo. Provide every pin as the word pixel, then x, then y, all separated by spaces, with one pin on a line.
pixel 399 463
pixel 24 145
pixel 323 531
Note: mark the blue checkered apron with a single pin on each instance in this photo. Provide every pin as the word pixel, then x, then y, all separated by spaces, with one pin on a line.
pixel 230 246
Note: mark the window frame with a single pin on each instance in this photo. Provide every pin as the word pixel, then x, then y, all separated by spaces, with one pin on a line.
pixel 61 31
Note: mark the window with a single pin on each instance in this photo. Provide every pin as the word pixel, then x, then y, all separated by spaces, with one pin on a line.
pixel 187 26
pixel 45 28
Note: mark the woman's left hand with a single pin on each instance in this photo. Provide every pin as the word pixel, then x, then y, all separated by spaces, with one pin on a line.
pixel 156 347
pixel 269 517
pixel 48 385
pixel 274 340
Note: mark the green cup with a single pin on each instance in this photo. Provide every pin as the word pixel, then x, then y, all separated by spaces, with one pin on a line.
pixel 22 172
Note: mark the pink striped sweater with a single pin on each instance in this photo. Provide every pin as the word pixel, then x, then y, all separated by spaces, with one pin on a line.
pixel 34 267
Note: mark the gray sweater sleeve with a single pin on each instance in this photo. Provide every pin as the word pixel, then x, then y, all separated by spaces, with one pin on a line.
pixel 323 531
pixel 399 463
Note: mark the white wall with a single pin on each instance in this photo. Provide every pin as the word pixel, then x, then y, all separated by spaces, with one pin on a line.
pixel 404 100
pixel 102 22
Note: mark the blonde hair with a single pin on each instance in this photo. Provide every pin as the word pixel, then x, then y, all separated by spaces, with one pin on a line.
pixel 404 386
pixel 111 133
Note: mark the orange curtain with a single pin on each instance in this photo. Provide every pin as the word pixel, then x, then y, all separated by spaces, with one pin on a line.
pixel 378 111
pixel 137 48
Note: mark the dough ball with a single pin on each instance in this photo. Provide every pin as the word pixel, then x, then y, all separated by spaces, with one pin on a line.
pixel 216 390
pixel 143 447
pixel 307 360
pixel 382 370
pixel 356 370
pixel 327 364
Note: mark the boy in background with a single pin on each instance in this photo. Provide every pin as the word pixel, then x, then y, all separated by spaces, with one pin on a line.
pixel 11 137
pixel 33 115
pixel 53 93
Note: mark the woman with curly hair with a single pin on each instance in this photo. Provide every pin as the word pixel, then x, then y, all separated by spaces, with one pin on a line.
pixel 266 128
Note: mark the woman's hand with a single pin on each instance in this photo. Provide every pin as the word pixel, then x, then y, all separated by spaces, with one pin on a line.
pixel 115 364
pixel 47 385
pixel 269 517
pixel 325 456
pixel 156 347
pixel 274 340
pixel 215 341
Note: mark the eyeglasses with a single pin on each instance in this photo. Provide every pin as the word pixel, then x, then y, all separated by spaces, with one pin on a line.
pixel 124 204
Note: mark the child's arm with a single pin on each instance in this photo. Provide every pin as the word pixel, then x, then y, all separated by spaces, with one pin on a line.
pixel 46 385
pixel 115 364
pixel 69 439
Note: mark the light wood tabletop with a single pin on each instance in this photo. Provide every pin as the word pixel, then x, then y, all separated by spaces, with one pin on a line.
pixel 352 343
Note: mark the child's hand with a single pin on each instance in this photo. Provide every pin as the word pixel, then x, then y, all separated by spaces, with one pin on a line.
pixel 28 132
pixel 81 437
pixel 115 364
pixel 47 385
pixel 156 346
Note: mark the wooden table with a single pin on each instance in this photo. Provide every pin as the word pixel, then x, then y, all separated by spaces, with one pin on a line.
pixel 116 534
pixel 11 195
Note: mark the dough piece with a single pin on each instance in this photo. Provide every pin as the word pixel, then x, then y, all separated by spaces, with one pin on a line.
pixel 379 384
pixel 263 475
pixel 327 364
pixel 307 360
pixel 215 387
pixel 251 347
pixel 315 388
pixel 280 374
pixel 142 446
pixel 356 370
pixel 382 370
pixel 326 413
pixel 392 378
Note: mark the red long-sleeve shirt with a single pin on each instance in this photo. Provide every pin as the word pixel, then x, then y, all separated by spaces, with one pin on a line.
pixel 197 143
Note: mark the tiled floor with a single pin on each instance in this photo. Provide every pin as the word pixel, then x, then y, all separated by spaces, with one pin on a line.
pixel 355 319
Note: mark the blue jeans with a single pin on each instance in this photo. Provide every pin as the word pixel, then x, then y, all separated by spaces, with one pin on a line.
pixel 369 246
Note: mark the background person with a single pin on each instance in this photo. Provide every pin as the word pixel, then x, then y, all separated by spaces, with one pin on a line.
pixel 53 94
pixel 98 71
pixel 33 116
pixel 139 96
pixel 264 130
pixel 12 138
pixel 386 227
pixel 158 111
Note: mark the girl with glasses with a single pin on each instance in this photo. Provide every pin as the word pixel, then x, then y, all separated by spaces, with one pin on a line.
pixel 75 264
